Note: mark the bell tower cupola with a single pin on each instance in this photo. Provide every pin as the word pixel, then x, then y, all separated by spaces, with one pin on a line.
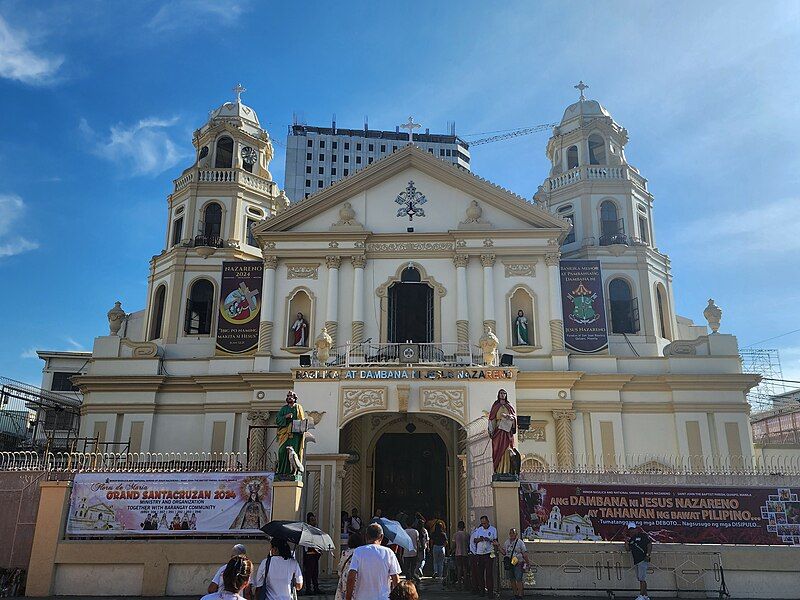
pixel 592 185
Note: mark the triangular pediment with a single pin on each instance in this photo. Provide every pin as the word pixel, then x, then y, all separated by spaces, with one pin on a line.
pixel 449 190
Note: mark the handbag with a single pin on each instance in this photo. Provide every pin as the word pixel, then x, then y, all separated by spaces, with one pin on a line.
pixel 262 591
pixel 508 563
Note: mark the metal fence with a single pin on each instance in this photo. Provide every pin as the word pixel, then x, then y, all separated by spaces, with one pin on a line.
pixel 35 419
pixel 666 464
pixel 134 462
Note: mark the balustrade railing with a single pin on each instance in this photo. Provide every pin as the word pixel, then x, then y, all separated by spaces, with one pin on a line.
pixel 596 172
pixel 369 353
pixel 225 176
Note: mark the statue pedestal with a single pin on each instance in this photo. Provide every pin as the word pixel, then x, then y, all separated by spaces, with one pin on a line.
pixel 286 500
pixel 506 507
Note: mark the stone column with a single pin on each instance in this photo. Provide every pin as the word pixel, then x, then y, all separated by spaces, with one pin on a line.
pixel 556 315
pixel 564 450
pixel 267 318
pixel 487 260
pixel 462 302
pixel 357 335
pixel 332 305
pixel 257 441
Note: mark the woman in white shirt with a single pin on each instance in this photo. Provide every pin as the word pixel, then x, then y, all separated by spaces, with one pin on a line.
pixel 235 578
pixel 278 572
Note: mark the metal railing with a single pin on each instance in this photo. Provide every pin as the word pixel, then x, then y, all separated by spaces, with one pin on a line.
pixel 134 462
pixel 663 464
pixel 369 354
pixel 213 241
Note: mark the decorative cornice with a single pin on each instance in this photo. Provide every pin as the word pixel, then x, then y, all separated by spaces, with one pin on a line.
pixel 520 269
pixel 409 246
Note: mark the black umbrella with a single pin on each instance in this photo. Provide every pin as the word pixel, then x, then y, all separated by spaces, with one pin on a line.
pixel 299 533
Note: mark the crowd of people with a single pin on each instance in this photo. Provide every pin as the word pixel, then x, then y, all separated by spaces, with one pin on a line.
pixel 371 565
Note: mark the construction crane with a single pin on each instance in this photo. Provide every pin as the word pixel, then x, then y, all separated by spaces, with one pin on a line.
pixel 510 133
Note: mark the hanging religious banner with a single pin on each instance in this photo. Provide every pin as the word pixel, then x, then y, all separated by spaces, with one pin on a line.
pixel 239 307
pixel 584 310
pixel 669 514
pixel 177 504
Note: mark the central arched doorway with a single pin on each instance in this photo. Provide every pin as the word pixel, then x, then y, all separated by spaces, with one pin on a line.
pixel 411 474
pixel 410 309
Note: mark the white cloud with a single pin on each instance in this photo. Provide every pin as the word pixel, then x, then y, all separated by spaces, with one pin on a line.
pixel 12 209
pixel 19 62
pixel 187 14
pixel 145 148
pixel 29 353
pixel 766 229
pixel 74 345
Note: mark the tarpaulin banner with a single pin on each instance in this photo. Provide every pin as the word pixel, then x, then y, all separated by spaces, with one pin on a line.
pixel 673 514
pixel 169 503
pixel 239 307
pixel 584 309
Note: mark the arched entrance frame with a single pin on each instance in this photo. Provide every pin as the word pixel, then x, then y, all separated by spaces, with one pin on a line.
pixel 439 291
pixel 373 426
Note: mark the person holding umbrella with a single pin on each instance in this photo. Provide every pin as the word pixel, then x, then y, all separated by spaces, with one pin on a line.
pixel 374 570
pixel 278 573
pixel 311 561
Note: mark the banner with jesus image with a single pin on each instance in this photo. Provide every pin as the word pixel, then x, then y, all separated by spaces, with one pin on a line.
pixel 239 307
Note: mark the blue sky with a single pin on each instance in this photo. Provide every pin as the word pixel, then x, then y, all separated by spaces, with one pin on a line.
pixel 98 101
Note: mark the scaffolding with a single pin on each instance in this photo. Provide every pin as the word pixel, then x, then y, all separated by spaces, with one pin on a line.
pixel 767 363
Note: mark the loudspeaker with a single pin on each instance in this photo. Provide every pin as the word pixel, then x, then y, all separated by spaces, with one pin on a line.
pixel 305 360
pixel 523 422
pixel 507 360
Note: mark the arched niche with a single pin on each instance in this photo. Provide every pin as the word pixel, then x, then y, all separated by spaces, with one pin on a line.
pixel 301 300
pixel 663 312
pixel 521 298
pixel 439 291
pixel 157 313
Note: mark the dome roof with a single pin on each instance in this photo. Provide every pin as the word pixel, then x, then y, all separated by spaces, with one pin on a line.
pixel 236 110
pixel 587 108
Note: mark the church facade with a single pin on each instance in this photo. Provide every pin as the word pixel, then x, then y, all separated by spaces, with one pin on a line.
pixel 396 303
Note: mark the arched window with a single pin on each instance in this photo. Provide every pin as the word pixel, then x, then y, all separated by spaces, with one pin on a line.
pixel 199 308
pixel 597 150
pixel 410 275
pixel 212 220
pixel 611 225
pixel 572 157
pixel 224 158
pixel 158 312
pixel 663 314
pixel 624 307
pixel 203 153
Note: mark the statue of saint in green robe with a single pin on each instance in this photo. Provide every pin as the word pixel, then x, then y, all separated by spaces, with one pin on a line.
pixel 286 438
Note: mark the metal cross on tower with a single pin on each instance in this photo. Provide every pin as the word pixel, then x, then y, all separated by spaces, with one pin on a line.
pixel 580 87
pixel 238 90
pixel 411 126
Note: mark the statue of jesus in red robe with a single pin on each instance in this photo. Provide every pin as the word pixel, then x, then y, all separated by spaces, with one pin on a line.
pixel 502 427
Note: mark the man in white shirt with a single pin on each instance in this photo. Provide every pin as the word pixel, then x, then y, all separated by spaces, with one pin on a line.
pixel 484 536
pixel 410 556
pixel 354 523
pixel 372 568
pixel 216 581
